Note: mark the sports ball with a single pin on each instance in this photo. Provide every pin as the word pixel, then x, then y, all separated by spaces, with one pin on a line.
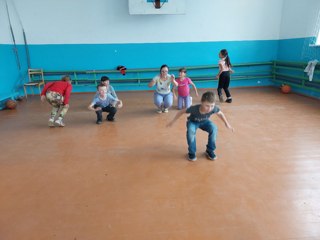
pixel 11 104
pixel 285 89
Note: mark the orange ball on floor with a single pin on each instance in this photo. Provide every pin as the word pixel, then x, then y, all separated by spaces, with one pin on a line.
pixel 11 104
pixel 285 89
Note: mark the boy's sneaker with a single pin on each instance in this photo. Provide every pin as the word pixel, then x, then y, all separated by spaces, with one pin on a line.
pixel 98 122
pixel 166 110
pixel 59 122
pixel 159 110
pixel 229 100
pixel 111 120
pixel 211 155
pixel 221 98
pixel 192 157
pixel 51 122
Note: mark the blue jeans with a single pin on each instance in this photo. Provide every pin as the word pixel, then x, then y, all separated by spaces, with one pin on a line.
pixel 163 100
pixel 184 102
pixel 207 126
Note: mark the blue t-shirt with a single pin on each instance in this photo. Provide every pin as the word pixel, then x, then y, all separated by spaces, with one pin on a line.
pixel 104 102
pixel 196 116
pixel 110 90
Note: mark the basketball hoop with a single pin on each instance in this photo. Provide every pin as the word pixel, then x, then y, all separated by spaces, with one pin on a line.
pixel 158 3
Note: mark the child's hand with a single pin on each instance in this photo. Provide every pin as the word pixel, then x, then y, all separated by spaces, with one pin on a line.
pixel 217 77
pixel 98 109
pixel 231 71
pixel 229 127
pixel 119 104
pixel 172 77
pixel 43 98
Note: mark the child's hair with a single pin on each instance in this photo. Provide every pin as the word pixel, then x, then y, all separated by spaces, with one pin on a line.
pixel 224 53
pixel 100 85
pixel 104 78
pixel 183 69
pixel 208 97
pixel 66 78
pixel 163 66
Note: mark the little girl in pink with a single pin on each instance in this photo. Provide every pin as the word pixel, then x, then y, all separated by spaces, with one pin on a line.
pixel 184 98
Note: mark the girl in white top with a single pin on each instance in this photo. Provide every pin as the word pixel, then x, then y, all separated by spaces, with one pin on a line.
pixel 224 75
pixel 163 97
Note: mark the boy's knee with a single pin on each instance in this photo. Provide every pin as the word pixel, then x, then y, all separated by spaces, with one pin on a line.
pixel 191 131
pixel 113 110
pixel 96 106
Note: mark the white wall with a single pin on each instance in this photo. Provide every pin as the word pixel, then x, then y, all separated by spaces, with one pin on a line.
pixel 109 21
pixel 300 18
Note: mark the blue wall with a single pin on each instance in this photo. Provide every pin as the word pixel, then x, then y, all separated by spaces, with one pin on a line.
pixel 108 56
pixel 148 55
pixel 298 50
pixel 11 78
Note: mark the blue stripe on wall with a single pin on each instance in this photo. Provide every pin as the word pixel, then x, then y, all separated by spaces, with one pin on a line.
pixel 148 55
pixel 109 56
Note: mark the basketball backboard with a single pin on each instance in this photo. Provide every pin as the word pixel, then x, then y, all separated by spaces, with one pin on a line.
pixel 157 6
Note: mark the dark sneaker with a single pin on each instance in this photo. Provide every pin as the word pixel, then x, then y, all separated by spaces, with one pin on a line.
pixel 192 157
pixel 98 122
pixel 111 120
pixel 229 100
pixel 211 155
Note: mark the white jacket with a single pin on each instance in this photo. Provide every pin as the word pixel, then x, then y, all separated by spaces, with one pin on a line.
pixel 310 68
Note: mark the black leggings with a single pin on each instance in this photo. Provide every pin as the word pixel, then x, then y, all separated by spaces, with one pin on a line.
pixel 224 81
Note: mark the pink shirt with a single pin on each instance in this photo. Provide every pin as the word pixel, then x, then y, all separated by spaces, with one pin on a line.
pixel 224 66
pixel 183 86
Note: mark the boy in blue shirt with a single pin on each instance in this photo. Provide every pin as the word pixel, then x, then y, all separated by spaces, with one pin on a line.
pixel 104 102
pixel 106 82
pixel 199 118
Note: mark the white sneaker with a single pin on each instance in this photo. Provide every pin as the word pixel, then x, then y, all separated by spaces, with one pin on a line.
pixel 51 122
pixel 165 110
pixel 59 122
pixel 159 110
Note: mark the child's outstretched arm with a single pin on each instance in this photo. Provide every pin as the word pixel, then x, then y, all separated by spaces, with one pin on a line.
pixel 174 92
pixel 90 107
pixel 195 88
pixel 220 71
pixel 178 115
pixel 173 80
pixel 224 119
pixel 151 83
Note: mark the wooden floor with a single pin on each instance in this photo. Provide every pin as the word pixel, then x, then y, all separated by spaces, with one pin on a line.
pixel 130 179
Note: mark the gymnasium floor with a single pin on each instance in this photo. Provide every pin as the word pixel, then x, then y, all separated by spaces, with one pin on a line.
pixel 130 179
